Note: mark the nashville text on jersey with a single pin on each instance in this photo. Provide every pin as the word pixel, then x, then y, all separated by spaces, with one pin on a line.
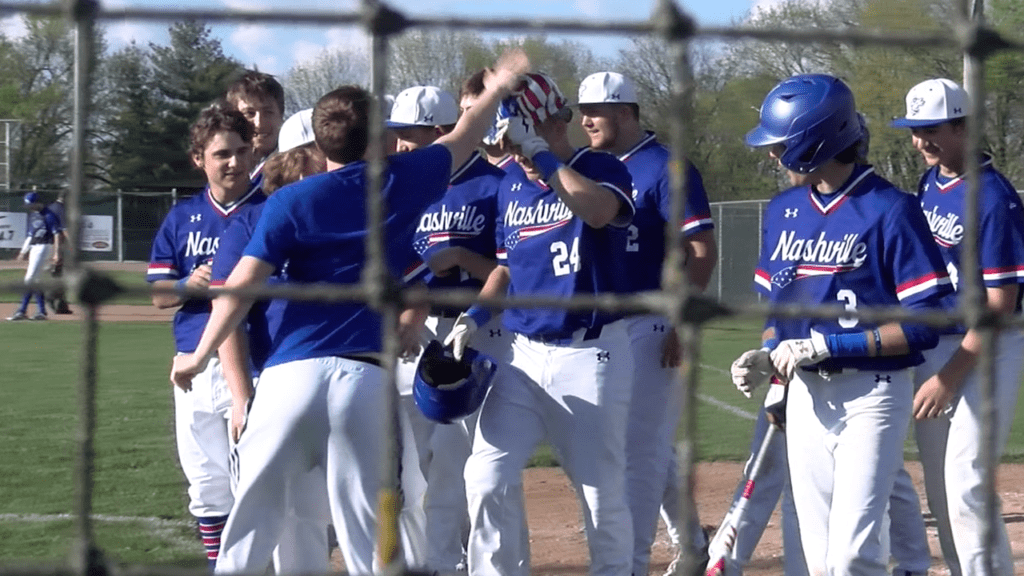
pixel 945 229
pixel 199 245
pixel 819 250
pixel 542 213
pixel 468 219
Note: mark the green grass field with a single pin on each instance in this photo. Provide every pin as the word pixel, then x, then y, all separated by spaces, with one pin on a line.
pixel 128 279
pixel 140 493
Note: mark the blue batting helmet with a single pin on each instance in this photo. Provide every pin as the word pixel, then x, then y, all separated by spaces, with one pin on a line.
pixel 446 389
pixel 813 116
pixel 32 198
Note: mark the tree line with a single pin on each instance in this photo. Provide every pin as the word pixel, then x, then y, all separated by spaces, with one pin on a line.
pixel 144 97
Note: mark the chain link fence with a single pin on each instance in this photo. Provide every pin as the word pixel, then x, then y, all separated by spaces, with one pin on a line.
pixel 737 226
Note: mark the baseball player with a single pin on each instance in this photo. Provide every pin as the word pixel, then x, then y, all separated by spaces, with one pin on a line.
pixel 907 536
pixel 568 378
pixel 56 297
pixel 453 248
pixel 260 98
pixel 841 235
pixel 320 400
pixel 42 245
pixel 610 115
pixel 303 545
pixel 182 255
pixel 947 404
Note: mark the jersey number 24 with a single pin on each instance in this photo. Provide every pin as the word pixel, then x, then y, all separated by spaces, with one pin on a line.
pixel 565 261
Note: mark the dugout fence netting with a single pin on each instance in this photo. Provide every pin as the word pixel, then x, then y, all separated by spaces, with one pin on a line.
pixel 687 310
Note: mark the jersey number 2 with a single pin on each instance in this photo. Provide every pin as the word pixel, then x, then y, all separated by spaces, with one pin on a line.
pixel 850 299
pixel 631 241
pixel 565 261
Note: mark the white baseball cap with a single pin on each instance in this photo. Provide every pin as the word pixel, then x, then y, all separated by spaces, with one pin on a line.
pixel 423 106
pixel 296 131
pixel 933 102
pixel 389 103
pixel 607 87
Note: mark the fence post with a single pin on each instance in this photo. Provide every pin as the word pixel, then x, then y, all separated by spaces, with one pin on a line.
pixel 174 196
pixel 721 249
pixel 120 227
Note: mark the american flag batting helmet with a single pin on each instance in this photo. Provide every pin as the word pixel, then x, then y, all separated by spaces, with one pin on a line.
pixel 540 97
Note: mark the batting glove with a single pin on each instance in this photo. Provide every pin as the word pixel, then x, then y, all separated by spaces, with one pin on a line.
pixel 752 369
pixel 521 132
pixel 460 334
pixel 798 352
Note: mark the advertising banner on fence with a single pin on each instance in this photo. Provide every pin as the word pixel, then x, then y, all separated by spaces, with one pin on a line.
pixel 97 232
pixel 12 229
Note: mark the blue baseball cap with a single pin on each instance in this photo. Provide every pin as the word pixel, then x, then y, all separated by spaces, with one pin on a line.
pixel 31 198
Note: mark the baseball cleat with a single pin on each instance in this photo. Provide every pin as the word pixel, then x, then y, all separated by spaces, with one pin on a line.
pixel 40 316
pixel 17 316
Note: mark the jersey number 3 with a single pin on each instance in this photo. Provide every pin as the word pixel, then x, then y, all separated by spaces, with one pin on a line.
pixel 565 261
pixel 850 298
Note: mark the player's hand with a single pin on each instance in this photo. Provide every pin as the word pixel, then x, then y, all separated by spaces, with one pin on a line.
pixel 798 352
pixel 671 350
pixel 462 331
pixel 186 367
pixel 752 369
pixel 239 418
pixel 200 277
pixel 520 132
pixel 505 75
pixel 933 398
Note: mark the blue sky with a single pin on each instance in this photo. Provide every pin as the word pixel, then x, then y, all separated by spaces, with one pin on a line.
pixel 276 49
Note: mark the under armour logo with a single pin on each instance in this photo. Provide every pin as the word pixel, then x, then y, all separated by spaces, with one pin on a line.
pixel 604 356
pixel 428 117
pixel 614 96
pixel 517 187
pixel 195 218
pixel 495 333
pixel 957 111
pixel 916 104
pixel 792 212
pixel 659 327
pixel 883 378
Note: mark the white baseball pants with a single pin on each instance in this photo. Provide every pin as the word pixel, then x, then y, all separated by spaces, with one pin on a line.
pixel 845 446
pixel 435 517
pixel 38 256
pixel 308 413
pixel 654 414
pixel 950 448
pixel 576 394
pixel 202 421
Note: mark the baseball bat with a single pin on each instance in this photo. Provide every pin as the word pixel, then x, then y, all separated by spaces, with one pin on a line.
pixel 725 538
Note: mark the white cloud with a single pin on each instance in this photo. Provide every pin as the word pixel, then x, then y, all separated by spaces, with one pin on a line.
pixel 13 27
pixel 252 39
pixel 347 38
pixel 590 8
pixel 123 33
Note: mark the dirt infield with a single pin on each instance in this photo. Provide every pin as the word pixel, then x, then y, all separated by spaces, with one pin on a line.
pixel 556 530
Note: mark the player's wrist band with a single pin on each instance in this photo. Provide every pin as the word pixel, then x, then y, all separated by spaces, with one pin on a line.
pixel 878 341
pixel 770 344
pixel 479 315
pixel 547 162
pixel 180 284
pixel 848 345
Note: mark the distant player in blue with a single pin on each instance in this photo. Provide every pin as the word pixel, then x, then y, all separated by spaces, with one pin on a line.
pixel 320 400
pixel 42 245
pixel 610 115
pixel 948 404
pixel 569 375
pixel 842 235
pixel 182 256
pixel 453 247
pixel 56 297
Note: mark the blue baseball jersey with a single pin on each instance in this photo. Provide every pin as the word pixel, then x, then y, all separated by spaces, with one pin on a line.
pixel 868 244
pixel 506 163
pixel 1001 228
pixel 318 226
pixel 644 239
pixel 265 317
pixel 550 251
pixel 464 217
pixel 188 238
pixel 42 226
